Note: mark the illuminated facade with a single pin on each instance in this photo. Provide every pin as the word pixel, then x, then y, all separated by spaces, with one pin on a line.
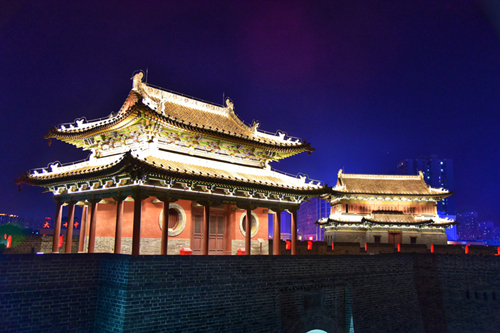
pixel 385 209
pixel 169 172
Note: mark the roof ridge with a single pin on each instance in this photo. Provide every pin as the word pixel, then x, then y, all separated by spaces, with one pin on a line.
pixel 368 176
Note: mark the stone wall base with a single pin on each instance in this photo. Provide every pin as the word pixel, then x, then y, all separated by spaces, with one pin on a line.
pixel 148 245
pixel 257 247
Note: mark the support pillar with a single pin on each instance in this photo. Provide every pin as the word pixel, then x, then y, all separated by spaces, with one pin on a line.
pixel 57 227
pixel 294 232
pixel 119 222
pixel 136 235
pixel 164 227
pixel 83 228
pixel 248 232
pixel 277 233
pixel 206 230
pixel 69 230
pixel 93 225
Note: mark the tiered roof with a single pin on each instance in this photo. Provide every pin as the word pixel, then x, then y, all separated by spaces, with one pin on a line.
pixel 166 141
pixel 169 166
pixel 385 185
pixel 385 218
pixel 159 110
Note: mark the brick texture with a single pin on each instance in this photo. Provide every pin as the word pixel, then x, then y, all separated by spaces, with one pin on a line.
pixel 399 292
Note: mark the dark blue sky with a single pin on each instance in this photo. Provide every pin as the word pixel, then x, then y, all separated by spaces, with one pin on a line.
pixel 368 83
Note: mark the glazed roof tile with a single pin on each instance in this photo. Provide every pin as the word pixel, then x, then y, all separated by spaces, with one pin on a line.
pixel 173 110
pixel 186 168
pixel 394 218
pixel 385 185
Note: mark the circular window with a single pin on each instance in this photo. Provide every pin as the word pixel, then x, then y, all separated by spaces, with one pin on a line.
pixel 173 218
pixel 176 220
pixel 255 224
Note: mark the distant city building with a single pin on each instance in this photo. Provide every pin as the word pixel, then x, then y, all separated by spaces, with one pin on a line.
pixel 485 230
pixel 308 214
pixel 452 231
pixel 8 218
pixel 391 209
pixel 438 172
pixel 467 225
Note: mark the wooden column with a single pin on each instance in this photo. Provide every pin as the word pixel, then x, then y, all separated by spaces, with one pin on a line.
pixel 248 232
pixel 164 227
pixel 204 242
pixel 57 227
pixel 119 222
pixel 294 232
pixel 69 230
pixel 93 225
pixel 136 234
pixel 277 233
pixel 83 228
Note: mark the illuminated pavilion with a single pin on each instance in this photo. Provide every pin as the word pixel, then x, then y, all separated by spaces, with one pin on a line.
pixel 385 209
pixel 168 172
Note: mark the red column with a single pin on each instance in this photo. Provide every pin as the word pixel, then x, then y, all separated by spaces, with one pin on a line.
pixel 164 228
pixel 136 236
pixel 119 221
pixel 248 232
pixel 277 233
pixel 205 230
pixel 69 230
pixel 83 228
pixel 294 232
pixel 93 222
pixel 57 228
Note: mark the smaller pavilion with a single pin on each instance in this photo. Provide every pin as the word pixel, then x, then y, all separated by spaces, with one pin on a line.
pixel 385 209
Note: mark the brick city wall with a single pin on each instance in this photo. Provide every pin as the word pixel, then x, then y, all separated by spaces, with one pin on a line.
pixel 120 293
pixel 342 248
pixel 37 243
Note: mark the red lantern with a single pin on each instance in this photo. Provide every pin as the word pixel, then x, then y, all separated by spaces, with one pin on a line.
pixel 333 247
pixel 432 248
pixel 309 245
pixel 9 241
pixel 288 245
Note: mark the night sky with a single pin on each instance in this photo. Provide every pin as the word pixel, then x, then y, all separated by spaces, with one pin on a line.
pixel 367 83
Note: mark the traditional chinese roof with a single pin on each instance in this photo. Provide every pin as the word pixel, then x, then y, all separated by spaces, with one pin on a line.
pixel 158 109
pixel 395 217
pixel 386 185
pixel 171 166
pixel 389 218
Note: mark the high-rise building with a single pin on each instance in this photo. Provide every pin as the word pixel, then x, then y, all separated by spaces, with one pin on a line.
pixel 467 225
pixel 8 218
pixel 308 214
pixel 438 173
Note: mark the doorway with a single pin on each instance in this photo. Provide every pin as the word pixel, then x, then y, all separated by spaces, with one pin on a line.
pixel 395 238
pixel 216 230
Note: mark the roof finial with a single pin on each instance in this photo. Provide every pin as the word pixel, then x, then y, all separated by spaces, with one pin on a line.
pixel 137 80
pixel 229 103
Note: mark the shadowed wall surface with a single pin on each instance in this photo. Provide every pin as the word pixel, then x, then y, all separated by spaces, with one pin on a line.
pixel 121 293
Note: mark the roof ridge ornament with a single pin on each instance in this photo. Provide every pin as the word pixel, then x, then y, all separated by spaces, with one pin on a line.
pixel 229 104
pixel 137 81
pixel 255 125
